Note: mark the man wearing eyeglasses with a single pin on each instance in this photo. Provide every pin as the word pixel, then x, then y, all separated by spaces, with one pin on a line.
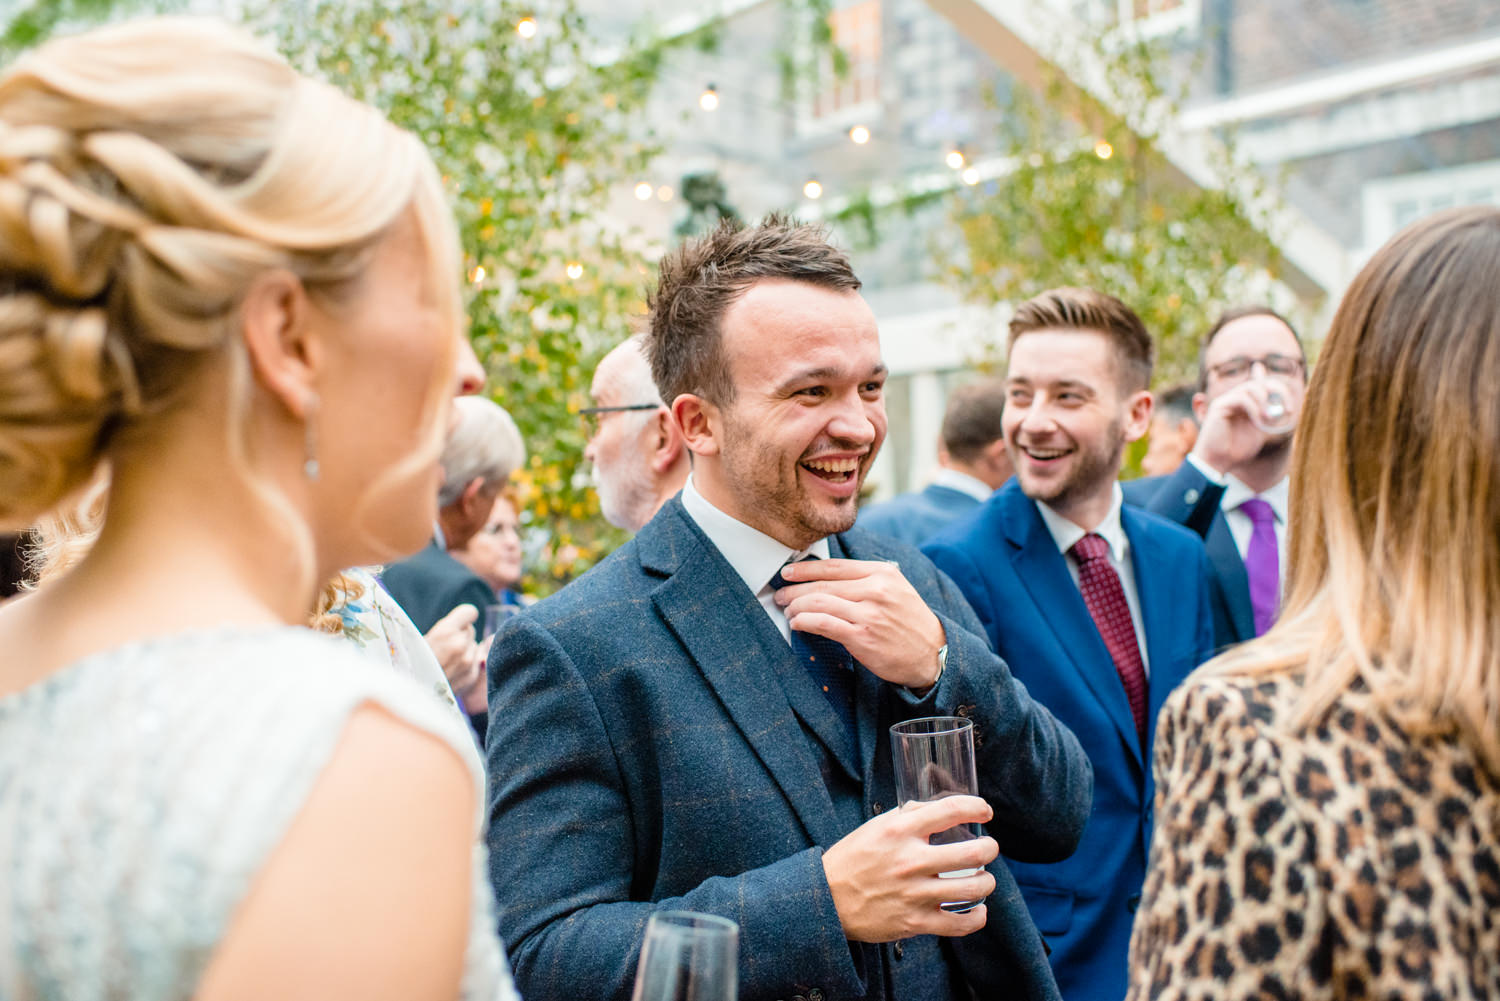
pixel 635 448
pixel 1232 490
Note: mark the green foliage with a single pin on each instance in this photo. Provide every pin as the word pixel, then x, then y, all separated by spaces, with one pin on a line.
pixel 707 203
pixel 1091 200
pixel 532 136
pixel 35 21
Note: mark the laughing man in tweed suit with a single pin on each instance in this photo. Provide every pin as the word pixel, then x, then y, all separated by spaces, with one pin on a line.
pixel 659 738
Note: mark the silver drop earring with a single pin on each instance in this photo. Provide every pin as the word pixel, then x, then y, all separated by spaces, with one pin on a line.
pixel 310 439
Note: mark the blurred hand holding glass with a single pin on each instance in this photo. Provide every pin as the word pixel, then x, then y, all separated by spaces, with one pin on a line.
pixel 688 957
pixel 1276 417
pixel 934 758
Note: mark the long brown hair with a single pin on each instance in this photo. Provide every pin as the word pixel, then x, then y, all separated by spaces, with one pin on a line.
pixel 1394 577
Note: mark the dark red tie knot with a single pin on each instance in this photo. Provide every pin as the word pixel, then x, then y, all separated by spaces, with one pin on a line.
pixel 1089 548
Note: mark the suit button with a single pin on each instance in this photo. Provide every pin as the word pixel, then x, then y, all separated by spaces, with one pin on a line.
pixel 876 809
pixel 798 997
pixel 900 950
pixel 1192 495
pixel 964 711
pixel 814 995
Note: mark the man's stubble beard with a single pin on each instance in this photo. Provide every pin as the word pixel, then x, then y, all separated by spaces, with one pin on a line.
pixel 780 504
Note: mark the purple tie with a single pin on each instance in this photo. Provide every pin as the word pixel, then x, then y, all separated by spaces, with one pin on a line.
pixel 1262 563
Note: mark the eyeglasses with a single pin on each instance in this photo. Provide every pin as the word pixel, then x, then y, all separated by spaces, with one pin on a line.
pixel 591 416
pixel 1239 366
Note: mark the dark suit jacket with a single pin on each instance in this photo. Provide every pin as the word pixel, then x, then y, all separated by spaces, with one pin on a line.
pixel 654 744
pixel 1006 562
pixel 916 517
pixel 1192 500
pixel 431 584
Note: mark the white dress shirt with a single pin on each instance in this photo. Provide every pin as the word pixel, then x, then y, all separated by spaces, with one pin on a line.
pixel 1236 492
pixel 963 483
pixel 1067 533
pixel 755 556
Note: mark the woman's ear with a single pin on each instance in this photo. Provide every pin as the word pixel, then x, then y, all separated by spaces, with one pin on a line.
pixel 280 339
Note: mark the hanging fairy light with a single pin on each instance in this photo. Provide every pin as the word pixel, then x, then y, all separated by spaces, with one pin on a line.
pixel 1103 150
pixel 812 189
pixel 643 191
pixel 709 99
pixel 664 193
pixel 955 159
pixel 477 275
pixel 970 175
pixel 859 135
pixel 575 270
pixel 526 27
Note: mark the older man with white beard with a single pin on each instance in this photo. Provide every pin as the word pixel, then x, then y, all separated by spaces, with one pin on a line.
pixel 636 450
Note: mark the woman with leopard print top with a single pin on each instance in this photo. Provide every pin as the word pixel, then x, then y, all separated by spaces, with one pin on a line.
pixel 1328 796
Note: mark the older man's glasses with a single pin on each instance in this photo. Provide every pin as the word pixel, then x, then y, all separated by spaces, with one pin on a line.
pixel 1238 367
pixel 592 416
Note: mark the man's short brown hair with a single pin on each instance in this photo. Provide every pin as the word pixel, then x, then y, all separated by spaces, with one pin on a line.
pixel 1090 309
pixel 971 423
pixel 702 278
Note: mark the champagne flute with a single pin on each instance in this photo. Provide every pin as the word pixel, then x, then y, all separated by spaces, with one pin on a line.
pixel 934 757
pixel 688 956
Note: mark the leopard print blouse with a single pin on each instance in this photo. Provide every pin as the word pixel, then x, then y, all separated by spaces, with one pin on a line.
pixel 1350 861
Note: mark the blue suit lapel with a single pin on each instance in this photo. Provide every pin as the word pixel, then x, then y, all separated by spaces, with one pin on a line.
pixel 728 636
pixel 1045 576
pixel 1229 567
pixel 1156 583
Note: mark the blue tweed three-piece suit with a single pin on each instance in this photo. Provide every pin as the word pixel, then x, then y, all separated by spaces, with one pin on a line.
pixel 655 745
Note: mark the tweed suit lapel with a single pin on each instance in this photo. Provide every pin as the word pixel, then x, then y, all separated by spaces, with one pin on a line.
pixel 1045 576
pixel 867 687
pixel 728 637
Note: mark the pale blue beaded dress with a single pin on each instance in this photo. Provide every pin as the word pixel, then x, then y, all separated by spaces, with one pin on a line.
pixel 142 789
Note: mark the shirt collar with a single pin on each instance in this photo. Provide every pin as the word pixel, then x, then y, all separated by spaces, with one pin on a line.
pixel 963 483
pixel 755 556
pixel 1236 492
pixel 1066 533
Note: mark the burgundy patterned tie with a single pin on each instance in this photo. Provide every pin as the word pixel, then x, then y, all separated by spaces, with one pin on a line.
pixel 1105 598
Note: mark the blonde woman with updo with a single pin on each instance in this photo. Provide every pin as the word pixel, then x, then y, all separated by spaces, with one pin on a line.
pixel 1328 795
pixel 236 290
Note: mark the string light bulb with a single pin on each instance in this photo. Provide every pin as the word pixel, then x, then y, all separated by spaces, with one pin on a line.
pixel 643 191
pixel 1103 150
pixel 859 135
pixel 575 270
pixel 477 275
pixel 970 175
pixel 526 27
pixel 813 189
pixel 709 99
pixel 664 194
pixel 955 159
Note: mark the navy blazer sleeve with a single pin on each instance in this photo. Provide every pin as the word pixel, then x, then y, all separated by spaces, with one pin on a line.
pixel 566 830
pixel 1185 496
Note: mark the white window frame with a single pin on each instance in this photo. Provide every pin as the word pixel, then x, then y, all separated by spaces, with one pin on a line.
pixel 1390 203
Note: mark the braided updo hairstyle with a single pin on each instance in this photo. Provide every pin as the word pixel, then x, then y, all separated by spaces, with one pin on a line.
pixel 148 173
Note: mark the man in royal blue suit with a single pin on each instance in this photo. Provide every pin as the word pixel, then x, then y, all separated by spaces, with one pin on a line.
pixel 1233 488
pixel 1099 609
pixel 701 722
pixel 973 461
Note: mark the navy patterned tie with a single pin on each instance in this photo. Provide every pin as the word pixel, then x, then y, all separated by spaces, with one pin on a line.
pixel 829 664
